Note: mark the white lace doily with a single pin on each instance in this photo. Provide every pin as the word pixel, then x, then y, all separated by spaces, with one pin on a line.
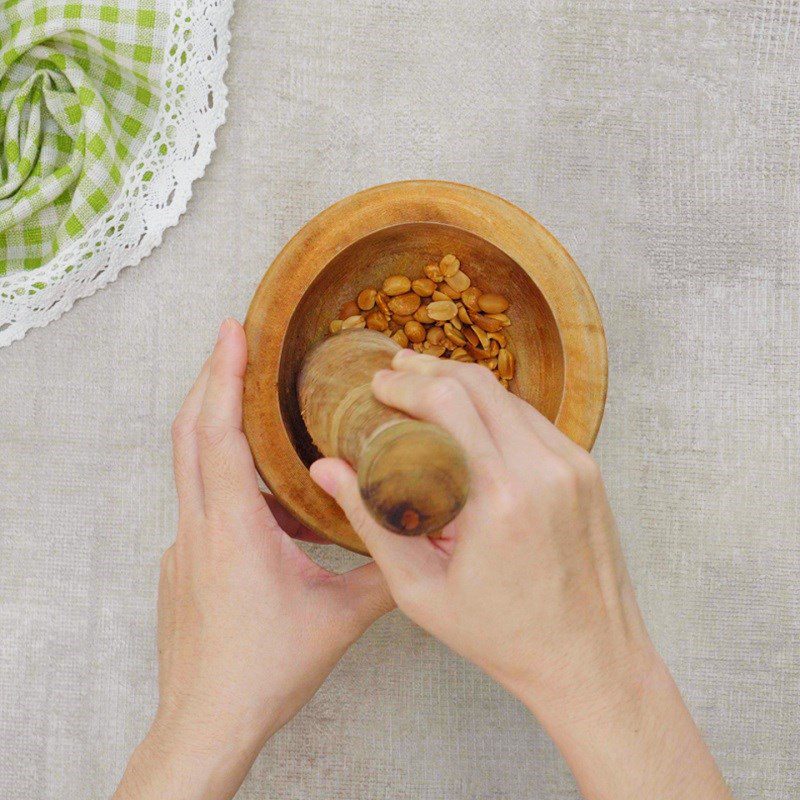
pixel 175 153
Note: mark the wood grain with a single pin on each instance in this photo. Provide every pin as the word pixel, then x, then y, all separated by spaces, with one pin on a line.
pixel 412 475
pixel 557 334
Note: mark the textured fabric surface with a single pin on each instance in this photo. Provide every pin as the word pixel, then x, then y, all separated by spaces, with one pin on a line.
pixel 660 142
pixel 79 87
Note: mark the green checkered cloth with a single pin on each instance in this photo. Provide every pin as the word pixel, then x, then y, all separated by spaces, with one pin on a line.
pixel 78 96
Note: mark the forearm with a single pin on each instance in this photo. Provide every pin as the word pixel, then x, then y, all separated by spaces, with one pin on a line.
pixel 181 765
pixel 642 744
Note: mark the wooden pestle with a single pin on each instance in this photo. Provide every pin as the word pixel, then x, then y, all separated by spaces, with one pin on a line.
pixel 412 475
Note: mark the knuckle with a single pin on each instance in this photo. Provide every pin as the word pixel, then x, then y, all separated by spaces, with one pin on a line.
pixel 561 477
pixel 587 468
pixel 442 392
pixel 357 514
pixel 180 429
pixel 257 516
pixel 508 498
pixel 211 435
pixel 483 377
pixel 219 517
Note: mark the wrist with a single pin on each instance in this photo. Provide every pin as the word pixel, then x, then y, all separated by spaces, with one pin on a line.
pixel 634 738
pixel 190 759
pixel 607 691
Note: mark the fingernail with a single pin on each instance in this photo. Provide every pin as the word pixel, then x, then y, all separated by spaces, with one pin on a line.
pixel 225 328
pixel 404 353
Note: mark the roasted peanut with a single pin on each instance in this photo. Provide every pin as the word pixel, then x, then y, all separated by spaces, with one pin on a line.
pixel 376 321
pixel 501 318
pixel 424 287
pixel 459 282
pixel 442 310
pixel 335 326
pixel 460 354
pixel 435 336
pixel 400 338
pixel 349 309
pixel 396 284
pixel 505 364
pixel 434 273
pixel 415 331
pixel 366 299
pixel 382 301
pixel 469 297
pixel 421 315
pixel 471 336
pixel 449 265
pixel 486 323
pixel 482 337
pixel 356 321
pixel 404 304
pixel 450 291
pixel 453 334
pixel 491 303
pixel 477 354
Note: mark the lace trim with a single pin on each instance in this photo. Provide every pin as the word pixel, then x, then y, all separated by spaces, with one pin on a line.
pixel 158 185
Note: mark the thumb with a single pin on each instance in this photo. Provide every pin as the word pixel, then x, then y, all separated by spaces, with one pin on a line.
pixel 404 560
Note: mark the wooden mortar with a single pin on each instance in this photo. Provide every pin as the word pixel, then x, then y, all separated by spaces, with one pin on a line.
pixel 556 335
pixel 412 475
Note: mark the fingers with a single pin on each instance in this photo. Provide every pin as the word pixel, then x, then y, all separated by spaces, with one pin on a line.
pixel 230 482
pixel 367 594
pixel 501 411
pixel 185 459
pixel 404 560
pixel 443 401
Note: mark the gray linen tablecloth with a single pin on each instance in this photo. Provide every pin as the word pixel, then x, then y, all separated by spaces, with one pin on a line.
pixel 661 143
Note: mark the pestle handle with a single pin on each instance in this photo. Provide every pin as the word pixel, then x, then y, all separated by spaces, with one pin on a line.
pixel 412 475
